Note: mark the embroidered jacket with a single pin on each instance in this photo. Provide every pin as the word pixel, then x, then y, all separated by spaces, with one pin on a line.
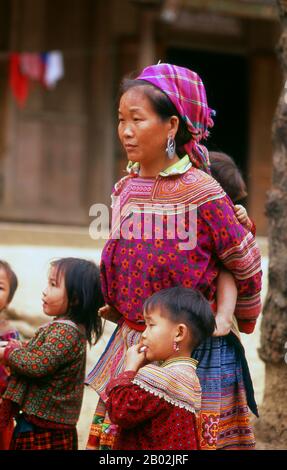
pixel 149 248
pixel 48 373
pixel 152 410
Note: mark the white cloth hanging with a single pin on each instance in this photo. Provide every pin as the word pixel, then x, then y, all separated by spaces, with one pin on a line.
pixel 54 68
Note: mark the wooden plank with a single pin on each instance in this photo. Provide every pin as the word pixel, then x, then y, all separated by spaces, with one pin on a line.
pixel 102 109
pixel 256 9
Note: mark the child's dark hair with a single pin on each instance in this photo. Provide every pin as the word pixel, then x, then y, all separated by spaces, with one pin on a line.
pixel 13 281
pixel 185 305
pixel 83 286
pixel 163 106
pixel 228 175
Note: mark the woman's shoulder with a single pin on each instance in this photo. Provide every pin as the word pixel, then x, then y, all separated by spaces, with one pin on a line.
pixel 192 187
pixel 120 184
pixel 204 187
pixel 195 176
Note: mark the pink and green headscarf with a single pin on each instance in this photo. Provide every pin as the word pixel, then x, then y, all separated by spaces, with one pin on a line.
pixel 186 91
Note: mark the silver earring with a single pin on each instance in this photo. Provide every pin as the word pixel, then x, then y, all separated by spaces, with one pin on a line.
pixel 170 148
pixel 176 346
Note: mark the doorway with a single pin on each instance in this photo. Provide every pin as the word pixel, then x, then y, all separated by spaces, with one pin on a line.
pixel 225 77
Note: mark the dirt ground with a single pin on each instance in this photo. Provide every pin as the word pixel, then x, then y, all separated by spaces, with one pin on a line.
pixel 31 264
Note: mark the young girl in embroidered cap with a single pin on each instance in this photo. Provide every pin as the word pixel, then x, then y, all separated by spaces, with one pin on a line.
pixel 45 390
pixel 156 406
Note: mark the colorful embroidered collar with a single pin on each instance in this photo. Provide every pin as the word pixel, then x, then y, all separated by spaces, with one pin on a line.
pixel 177 168
pixel 175 381
pixel 180 360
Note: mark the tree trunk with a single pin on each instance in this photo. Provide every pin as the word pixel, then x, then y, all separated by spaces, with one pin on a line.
pixel 271 426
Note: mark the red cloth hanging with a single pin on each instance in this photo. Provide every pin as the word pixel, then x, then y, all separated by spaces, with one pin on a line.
pixel 19 83
pixel 32 66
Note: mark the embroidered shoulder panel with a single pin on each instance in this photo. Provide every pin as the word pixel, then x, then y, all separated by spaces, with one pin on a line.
pixel 176 384
pixel 192 187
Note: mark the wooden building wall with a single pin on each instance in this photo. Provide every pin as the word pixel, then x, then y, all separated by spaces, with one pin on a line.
pixel 57 153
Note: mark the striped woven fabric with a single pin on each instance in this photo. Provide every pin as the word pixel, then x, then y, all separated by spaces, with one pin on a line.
pixel 111 362
pixel 225 418
pixel 175 381
pixel 102 432
pixel 186 91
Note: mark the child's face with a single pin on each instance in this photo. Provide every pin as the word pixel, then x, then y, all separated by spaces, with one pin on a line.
pixel 159 336
pixel 55 300
pixel 4 289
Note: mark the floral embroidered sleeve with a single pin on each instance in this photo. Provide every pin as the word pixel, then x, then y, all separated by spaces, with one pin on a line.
pixel 238 251
pixel 128 405
pixel 45 354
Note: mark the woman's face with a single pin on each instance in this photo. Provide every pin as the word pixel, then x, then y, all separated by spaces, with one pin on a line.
pixel 141 131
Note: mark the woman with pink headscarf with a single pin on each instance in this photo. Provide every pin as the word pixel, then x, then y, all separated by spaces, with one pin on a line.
pixel 163 117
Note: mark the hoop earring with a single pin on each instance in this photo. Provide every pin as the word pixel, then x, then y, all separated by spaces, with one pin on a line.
pixel 170 148
pixel 176 346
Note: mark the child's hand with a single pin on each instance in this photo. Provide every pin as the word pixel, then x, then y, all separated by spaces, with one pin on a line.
pixel 135 357
pixel 241 214
pixel 223 326
pixel 109 313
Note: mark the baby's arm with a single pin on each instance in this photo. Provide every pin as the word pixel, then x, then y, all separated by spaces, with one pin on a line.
pixel 107 312
pixel 242 216
pixel 226 301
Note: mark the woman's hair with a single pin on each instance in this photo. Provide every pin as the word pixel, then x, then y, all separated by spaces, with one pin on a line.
pixel 228 175
pixel 83 287
pixel 182 304
pixel 162 106
pixel 12 278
